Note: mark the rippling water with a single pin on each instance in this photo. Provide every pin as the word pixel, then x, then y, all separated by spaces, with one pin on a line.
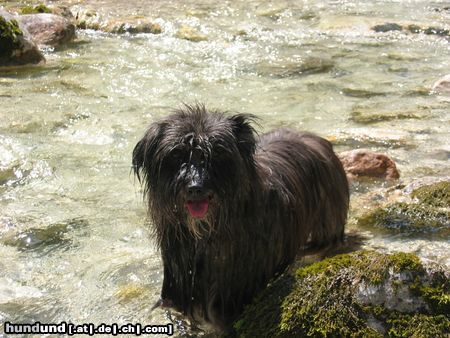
pixel 74 245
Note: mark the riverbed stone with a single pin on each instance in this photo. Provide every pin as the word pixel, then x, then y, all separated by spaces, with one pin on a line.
pixel 87 18
pixel 366 163
pixel 48 29
pixel 16 44
pixel 435 195
pixel 132 26
pixel 387 27
pixel 361 294
pixel 424 209
pixel 290 68
pixel 409 218
pixel 191 34
pixel 368 116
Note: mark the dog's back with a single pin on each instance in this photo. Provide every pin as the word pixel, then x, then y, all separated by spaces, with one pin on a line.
pixel 304 178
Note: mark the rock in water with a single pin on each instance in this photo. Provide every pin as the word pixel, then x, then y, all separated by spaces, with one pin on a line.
pixel 48 29
pixel 363 162
pixel 16 44
pixel 362 294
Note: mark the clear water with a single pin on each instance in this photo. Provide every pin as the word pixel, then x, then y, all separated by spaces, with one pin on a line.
pixel 74 244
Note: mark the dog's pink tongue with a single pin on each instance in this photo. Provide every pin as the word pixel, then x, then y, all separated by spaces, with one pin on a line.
pixel 198 209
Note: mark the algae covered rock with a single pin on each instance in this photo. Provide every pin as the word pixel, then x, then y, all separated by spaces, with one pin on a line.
pixel 362 294
pixel 409 218
pixel 428 213
pixel 437 194
pixel 16 45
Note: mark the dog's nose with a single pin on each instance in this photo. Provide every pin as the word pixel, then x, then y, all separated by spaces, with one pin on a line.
pixel 195 190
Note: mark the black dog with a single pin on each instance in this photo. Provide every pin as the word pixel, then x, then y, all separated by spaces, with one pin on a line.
pixel 231 211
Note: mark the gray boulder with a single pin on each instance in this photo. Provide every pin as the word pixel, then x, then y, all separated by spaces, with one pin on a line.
pixel 48 29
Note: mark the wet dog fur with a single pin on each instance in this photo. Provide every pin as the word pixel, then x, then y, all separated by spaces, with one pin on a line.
pixel 231 209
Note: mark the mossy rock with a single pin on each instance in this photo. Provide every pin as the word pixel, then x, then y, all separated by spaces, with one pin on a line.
pixel 41 8
pixel 10 34
pixel 408 217
pixel 362 294
pixel 436 195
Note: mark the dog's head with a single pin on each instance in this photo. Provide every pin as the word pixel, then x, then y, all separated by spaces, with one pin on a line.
pixel 194 163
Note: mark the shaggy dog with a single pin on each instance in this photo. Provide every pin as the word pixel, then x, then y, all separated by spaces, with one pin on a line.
pixel 231 210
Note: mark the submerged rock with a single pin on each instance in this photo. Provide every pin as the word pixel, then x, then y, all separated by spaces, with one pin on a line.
pixel 387 27
pixel 368 117
pixel 428 212
pixel 48 29
pixel 16 44
pixel 362 93
pixel 52 236
pixel 363 162
pixel 436 195
pixel 362 294
pixel 408 218
pixel 306 66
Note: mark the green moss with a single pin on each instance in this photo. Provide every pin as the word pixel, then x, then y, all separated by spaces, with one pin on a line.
pixel 403 261
pixel 9 36
pixel 417 326
pixel 319 300
pixel 437 195
pixel 408 218
pixel 435 293
pixel 41 8
pixel 262 317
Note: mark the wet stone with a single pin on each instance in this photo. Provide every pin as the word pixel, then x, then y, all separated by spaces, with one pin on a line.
pixel 411 218
pixel 190 34
pixel 54 236
pixel 366 163
pixel 48 29
pixel 387 27
pixel 369 117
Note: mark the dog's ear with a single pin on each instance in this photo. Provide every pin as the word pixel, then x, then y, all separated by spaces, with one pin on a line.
pixel 244 133
pixel 145 151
